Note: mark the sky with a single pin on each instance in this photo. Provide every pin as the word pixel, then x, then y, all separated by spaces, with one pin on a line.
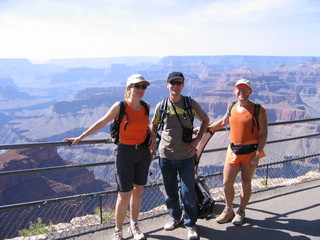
pixel 56 29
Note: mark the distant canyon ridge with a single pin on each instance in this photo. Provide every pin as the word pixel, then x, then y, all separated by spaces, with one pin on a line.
pixel 63 97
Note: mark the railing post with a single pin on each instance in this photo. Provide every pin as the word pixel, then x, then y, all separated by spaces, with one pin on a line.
pixel 100 203
pixel 267 175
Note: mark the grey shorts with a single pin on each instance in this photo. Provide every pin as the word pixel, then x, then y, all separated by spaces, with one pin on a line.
pixel 132 166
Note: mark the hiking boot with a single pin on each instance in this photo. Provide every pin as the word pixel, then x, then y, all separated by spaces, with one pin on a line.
pixel 171 224
pixel 226 216
pixel 117 235
pixel 192 233
pixel 136 233
pixel 239 218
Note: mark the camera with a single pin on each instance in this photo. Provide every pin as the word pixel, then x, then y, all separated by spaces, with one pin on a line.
pixel 187 135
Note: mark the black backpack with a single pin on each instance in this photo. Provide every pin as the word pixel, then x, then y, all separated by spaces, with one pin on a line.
pixel 205 203
pixel 115 125
pixel 255 113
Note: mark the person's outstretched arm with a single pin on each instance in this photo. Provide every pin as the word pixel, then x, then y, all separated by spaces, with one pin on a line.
pixel 109 116
pixel 221 123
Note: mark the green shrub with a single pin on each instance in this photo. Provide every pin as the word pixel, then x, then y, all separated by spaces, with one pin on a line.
pixel 35 228
pixel 107 215
pixel 264 182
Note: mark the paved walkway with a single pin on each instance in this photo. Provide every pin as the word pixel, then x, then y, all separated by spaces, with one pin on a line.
pixel 290 212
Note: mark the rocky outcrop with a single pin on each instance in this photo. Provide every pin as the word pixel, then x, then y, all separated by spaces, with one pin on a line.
pixel 36 186
pixel 288 92
pixel 287 114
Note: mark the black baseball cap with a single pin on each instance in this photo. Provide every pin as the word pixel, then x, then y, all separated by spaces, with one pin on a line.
pixel 175 75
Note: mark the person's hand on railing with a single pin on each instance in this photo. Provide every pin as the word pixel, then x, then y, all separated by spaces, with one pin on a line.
pixel 196 130
pixel 73 141
pixel 152 143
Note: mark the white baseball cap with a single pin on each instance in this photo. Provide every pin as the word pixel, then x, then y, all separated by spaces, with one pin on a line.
pixel 244 82
pixel 136 78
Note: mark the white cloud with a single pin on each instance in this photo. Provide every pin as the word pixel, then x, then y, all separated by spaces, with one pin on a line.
pixel 40 29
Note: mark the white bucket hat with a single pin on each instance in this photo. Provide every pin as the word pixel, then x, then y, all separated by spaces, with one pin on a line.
pixel 136 78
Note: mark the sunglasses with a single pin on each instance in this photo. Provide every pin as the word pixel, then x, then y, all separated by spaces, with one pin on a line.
pixel 176 83
pixel 137 86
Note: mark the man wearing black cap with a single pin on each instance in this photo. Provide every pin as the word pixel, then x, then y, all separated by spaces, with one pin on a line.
pixel 177 151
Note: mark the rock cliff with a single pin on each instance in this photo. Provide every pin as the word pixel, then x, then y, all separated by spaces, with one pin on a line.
pixel 38 186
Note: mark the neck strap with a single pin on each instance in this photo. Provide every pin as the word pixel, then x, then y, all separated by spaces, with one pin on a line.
pixel 174 108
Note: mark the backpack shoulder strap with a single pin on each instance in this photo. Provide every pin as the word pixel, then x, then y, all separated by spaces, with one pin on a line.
pixel 231 106
pixel 163 108
pixel 188 106
pixel 145 105
pixel 256 112
pixel 229 113
pixel 115 126
pixel 187 102
pixel 162 111
pixel 122 111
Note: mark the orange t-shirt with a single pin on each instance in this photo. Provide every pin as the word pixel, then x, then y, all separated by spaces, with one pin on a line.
pixel 134 125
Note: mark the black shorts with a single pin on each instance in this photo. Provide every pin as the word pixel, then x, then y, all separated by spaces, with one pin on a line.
pixel 132 166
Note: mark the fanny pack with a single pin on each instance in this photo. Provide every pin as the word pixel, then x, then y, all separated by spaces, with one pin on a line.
pixel 243 149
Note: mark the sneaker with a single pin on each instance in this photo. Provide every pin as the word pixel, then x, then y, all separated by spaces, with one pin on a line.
pixel 171 224
pixel 226 216
pixel 239 218
pixel 118 235
pixel 192 233
pixel 136 233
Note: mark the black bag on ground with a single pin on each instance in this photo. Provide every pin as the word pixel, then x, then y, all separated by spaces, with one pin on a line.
pixel 205 202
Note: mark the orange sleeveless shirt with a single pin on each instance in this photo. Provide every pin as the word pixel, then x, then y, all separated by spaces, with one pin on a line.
pixel 241 126
pixel 134 126
pixel 241 133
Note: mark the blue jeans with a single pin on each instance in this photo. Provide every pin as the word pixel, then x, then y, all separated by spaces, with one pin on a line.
pixel 170 170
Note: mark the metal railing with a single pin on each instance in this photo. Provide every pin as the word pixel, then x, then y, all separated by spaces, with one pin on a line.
pixel 40 217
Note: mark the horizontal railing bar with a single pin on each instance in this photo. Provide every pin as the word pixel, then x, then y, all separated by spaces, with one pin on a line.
pixel 57 168
pixel 278 123
pixel 50 169
pixel 68 167
pixel 267 164
pixel 103 193
pixel 294 121
pixel 52 144
pixel 107 141
pixel 55 200
pixel 268 142
pixel 294 138
pixel 288 160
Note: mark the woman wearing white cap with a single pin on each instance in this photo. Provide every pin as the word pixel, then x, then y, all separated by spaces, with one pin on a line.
pixel 136 143
pixel 248 137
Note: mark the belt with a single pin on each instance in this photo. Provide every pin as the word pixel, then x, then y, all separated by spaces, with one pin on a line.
pixel 135 146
